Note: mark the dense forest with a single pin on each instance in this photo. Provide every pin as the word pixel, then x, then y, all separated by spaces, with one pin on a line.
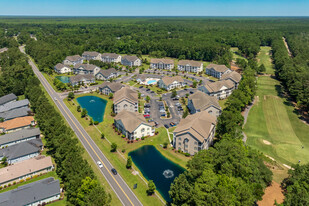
pixel 79 182
pixel 229 173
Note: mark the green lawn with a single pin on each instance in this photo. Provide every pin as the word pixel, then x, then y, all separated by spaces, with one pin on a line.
pixel 236 53
pixel 118 160
pixel 222 103
pixel 264 58
pixel 272 119
pixel 59 203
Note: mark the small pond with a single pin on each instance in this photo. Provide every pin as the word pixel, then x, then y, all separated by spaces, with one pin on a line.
pixel 63 79
pixel 156 167
pixel 94 105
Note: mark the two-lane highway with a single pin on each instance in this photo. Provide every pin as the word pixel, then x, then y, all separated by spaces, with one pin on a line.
pixel 122 190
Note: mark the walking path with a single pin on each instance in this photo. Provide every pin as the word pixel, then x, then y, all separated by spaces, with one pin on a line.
pixel 287 46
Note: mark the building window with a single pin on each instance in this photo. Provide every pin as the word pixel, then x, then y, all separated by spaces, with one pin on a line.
pixel 195 148
pixel 186 146
pixel 179 138
pixel 195 143
pixel 143 130
pixel 179 143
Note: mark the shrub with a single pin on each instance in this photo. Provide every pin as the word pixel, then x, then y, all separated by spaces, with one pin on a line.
pixel 129 163
pixel 28 178
pixel 123 136
pixel 123 150
pixel 187 154
pixel 9 185
pixel 143 138
pixel 14 183
pixel 113 147
pixel 96 122
pixel 137 139
pixel 78 108
pixel 102 136
pixel 20 181
pixel 165 145
pixel 5 186
pixel 1 187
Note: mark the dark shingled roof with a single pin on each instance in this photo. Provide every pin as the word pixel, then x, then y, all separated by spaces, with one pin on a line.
pixel 30 193
pixel 21 149
pixel 11 114
pixel 107 72
pixel 19 135
pixel 114 86
pixel 7 98
pixel 13 105
pixel 81 77
pixel 90 53
pixel 110 55
pixel 130 58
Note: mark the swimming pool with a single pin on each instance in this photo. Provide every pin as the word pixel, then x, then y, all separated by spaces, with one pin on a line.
pixel 63 79
pixel 151 81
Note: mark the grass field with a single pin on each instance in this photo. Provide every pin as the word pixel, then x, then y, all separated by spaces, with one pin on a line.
pixel 119 160
pixel 236 53
pixel 273 128
pixel 263 58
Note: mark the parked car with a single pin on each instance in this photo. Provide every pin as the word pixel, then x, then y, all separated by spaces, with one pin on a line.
pixel 141 87
pixel 150 120
pixel 166 126
pixel 147 106
pixel 99 164
pixel 163 114
pixel 147 90
pixel 142 95
pixel 114 171
pixel 146 115
pixel 152 92
pixel 185 89
pixel 175 99
pixel 172 124
pixel 191 92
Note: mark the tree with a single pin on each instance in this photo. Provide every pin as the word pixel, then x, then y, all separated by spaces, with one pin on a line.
pixel 111 96
pixel 139 95
pixel 102 136
pixel 71 95
pixel 129 163
pixel 151 188
pixel 168 114
pixel 194 84
pixel 78 108
pixel 84 113
pixel 261 69
pixel 165 145
pixel 147 99
pixel 295 186
pixel 113 147
pixel 4 161
pixel 91 121
pixel 174 93
pixel 185 113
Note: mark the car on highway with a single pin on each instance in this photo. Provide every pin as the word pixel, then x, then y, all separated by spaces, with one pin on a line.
pixel 55 98
pixel 114 171
pixel 99 164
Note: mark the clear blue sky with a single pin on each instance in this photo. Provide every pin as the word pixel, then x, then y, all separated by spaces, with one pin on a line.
pixel 155 7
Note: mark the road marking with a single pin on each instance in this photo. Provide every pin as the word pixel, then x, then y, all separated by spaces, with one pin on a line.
pixel 43 78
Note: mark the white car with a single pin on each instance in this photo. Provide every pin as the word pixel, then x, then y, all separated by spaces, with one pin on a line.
pixel 99 164
pixel 55 98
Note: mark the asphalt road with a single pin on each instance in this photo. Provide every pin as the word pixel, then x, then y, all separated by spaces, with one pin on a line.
pixel 122 190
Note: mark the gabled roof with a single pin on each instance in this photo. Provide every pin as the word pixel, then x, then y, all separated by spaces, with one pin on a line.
pixel 110 55
pixel 202 101
pixel 17 122
pixel 218 67
pixel 13 105
pixel 169 80
pixel 81 77
pixel 125 93
pixel 30 193
pixel 130 58
pixel 164 61
pixel 107 72
pixel 114 86
pixel 21 149
pixel 14 113
pixel 89 67
pixel 131 120
pixel 60 66
pixel 20 169
pixel 216 86
pixel 73 58
pixel 234 76
pixel 90 53
pixel 19 135
pixel 190 62
pixel 7 98
pixel 198 125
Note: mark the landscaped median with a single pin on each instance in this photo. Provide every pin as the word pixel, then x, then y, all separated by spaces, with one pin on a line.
pixel 118 160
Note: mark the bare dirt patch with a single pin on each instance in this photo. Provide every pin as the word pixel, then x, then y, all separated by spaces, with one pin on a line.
pixel 266 142
pixel 272 193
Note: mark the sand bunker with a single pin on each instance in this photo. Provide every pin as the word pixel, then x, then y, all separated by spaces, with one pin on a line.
pixel 266 142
